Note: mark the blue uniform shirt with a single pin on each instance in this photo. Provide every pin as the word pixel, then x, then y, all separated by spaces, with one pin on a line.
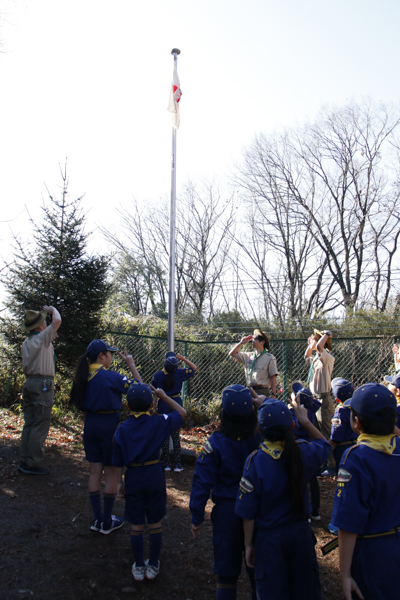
pixel 263 494
pixel 341 430
pixel 104 390
pixel 180 375
pixel 219 468
pixel 139 439
pixel 367 498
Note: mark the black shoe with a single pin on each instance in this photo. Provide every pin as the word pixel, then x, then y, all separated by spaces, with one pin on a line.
pixel 23 468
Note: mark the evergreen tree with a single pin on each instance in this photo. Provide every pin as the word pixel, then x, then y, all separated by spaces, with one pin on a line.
pixel 56 270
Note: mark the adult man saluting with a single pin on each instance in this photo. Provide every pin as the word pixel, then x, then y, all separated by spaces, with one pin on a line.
pixel 38 391
pixel 259 365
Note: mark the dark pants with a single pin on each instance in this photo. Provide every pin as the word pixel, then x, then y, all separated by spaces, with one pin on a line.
pixel 37 405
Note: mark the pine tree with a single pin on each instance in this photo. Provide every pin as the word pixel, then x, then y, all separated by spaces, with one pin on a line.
pixel 56 270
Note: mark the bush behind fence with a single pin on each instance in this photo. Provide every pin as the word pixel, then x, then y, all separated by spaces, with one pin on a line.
pixel 359 360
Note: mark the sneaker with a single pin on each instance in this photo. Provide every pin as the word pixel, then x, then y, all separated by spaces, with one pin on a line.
pixel 167 468
pixel 315 516
pixel 151 572
pixel 23 468
pixel 178 468
pixel 333 529
pixel 116 523
pixel 138 572
pixel 96 525
pixel 329 472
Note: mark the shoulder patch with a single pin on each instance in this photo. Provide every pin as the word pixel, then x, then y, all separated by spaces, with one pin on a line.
pixel 343 478
pixel 246 486
pixel 208 448
pixel 165 417
pixel 336 421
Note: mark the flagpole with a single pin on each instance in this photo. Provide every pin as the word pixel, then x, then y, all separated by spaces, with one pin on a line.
pixel 171 301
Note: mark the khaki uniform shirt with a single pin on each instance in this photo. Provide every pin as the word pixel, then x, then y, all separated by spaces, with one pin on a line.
pixel 263 370
pixel 38 353
pixel 320 382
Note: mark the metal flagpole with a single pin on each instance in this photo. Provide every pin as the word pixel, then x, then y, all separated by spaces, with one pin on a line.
pixel 172 217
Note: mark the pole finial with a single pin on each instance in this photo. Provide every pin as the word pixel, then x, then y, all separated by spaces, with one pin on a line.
pixel 175 51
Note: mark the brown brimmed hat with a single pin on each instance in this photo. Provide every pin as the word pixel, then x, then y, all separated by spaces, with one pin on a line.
pixel 264 335
pixel 33 319
pixel 328 344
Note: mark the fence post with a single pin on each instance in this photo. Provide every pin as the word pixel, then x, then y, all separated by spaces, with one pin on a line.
pixel 185 383
pixel 285 372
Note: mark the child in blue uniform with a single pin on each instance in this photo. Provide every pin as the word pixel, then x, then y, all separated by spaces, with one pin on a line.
pixel 312 405
pixel 137 445
pixel 274 505
pixel 367 500
pixel 394 387
pixel 170 379
pixel 219 468
pixel 98 392
pixel 342 434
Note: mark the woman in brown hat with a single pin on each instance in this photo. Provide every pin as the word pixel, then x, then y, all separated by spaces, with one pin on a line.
pixel 259 365
pixel 319 382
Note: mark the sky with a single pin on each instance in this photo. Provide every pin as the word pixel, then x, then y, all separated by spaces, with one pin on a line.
pixel 88 81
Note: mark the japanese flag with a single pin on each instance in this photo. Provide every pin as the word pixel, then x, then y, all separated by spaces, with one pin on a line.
pixel 174 98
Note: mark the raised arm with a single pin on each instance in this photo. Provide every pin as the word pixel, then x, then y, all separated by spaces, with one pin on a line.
pixel 187 361
pixel 322 341
pixel 242 342
pixel 303 420
pixel 171 403
pixel 55 317
pixel 128 359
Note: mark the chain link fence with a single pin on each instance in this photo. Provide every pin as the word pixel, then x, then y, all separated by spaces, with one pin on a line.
pixel 360 360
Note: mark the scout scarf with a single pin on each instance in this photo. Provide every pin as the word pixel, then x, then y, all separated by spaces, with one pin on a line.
pixel 311 369
pixel 93 370
pixel 137 414
pixel 274 449
pixel 255 358
pixel 381 443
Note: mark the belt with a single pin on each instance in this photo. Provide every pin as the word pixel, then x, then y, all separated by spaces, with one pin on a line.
pixel 37 376
pixel 335 542
pixel 144 464
pixel 259 387
pixel 343 443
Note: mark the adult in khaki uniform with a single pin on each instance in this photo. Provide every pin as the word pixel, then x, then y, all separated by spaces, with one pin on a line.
pixel 319 379
pixel 259 365
pixel 38 391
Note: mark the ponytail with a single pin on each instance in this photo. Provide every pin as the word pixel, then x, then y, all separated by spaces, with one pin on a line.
pixel 168 382
pixel 294 470
pixel 80 381
pixel 294 466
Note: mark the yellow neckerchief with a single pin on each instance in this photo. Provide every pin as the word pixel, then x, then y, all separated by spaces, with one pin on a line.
pixel 274 449
pixel 381 443
pixel 94 368
pixel 164 371
pixel 137 414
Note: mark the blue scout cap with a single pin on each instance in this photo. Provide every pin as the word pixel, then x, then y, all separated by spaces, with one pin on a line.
pixel 171 362
pixel 139 391
pixel 370 397
pixel 237 401
pixel 306 396
pixel 274 413
pixel 395 380
pixel 97 346
pixel 342 389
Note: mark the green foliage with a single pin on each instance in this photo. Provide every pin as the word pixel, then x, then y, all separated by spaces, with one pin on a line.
pixel 56 270
pixel 202 411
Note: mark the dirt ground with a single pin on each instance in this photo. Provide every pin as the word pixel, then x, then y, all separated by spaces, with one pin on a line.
pixel 48 551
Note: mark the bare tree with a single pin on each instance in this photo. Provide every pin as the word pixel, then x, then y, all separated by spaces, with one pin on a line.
pixel 328 193
pixel 202 247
